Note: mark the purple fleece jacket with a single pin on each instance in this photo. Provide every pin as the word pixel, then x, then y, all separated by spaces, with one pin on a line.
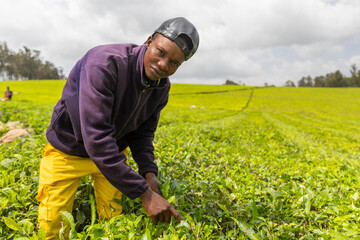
pixel 107 104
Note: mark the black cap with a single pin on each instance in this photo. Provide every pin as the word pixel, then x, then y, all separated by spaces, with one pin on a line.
pixel 183 33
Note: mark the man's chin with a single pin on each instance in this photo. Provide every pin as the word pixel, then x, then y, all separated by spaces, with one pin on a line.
pixel 153 78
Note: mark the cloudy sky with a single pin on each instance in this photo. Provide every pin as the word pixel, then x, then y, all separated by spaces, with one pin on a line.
pixel 252 41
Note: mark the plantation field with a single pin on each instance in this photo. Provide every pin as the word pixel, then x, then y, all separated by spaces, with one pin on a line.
pixel 236 162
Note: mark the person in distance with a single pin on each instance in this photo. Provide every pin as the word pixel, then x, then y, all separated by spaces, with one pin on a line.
pixel 8 94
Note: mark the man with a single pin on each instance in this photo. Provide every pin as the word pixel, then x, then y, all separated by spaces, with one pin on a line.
pixel 111 101
pixel 8 94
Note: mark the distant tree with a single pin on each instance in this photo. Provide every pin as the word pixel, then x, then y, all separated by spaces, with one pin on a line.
pixel 357 82
pixel 12 68
pixel 29 63
pixel 335 79
pixel 319 81
pixel 354 80
pixel 353 71
pixel 229 82
pixel 49 71
pixel 302 82
pixel 26 64
pixel 289 83
pixel 3 57
pixel 308 81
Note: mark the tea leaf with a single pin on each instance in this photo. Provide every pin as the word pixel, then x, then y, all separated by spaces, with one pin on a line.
pixel 66 216
pixel 147 235
pixel 11 223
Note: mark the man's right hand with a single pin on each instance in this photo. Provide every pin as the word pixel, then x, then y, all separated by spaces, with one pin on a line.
pixel 158 208
pixel 153 182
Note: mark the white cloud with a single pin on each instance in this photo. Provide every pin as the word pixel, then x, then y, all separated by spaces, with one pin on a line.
pixel 353 60
pixel 318 49
pixel 253 41
pixel 263 24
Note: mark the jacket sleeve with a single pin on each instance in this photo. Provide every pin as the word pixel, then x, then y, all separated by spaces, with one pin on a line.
pixel 141 141
pixel 95 107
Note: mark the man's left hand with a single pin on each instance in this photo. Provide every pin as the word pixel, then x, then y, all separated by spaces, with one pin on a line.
pixel 153 182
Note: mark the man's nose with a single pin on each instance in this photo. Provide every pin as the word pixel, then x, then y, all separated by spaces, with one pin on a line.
pixel 163 65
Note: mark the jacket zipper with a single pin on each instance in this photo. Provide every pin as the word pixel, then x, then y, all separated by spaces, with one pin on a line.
pixel 133 112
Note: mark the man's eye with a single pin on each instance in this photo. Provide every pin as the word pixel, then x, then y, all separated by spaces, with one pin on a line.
pixel 161 52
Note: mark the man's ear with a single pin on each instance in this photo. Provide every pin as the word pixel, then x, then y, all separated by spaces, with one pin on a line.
pixel 148 41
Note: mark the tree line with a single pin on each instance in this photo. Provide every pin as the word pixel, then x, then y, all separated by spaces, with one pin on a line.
pixel 26 64
pixel 231 82
pixel 335 79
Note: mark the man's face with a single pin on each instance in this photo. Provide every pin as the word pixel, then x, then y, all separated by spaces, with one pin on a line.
pixel 162 57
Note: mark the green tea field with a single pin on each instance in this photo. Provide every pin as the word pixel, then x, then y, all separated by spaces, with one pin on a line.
pixel 236 162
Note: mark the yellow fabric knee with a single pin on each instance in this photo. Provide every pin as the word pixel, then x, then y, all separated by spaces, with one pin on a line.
pixel 55 198
pixel 105 193
pixel 59 178
pixel 58 183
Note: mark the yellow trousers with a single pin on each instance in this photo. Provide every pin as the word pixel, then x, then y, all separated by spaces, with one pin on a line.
pixel 59 179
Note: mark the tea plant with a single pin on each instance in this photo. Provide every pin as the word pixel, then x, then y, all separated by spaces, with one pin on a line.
pixel 285 167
